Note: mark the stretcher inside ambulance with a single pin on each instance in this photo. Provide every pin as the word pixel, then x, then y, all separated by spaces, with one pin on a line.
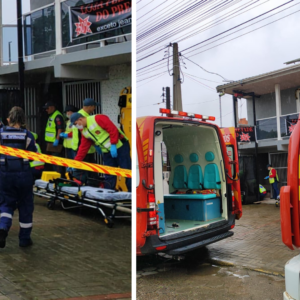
pixel 199 200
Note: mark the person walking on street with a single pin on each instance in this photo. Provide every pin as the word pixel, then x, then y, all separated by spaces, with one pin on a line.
pixel 67 135
pixel 273 179
pixel 109 141
pixel 16 179
pixel 55 126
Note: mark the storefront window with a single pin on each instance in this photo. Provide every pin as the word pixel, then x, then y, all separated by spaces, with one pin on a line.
pixel 40 31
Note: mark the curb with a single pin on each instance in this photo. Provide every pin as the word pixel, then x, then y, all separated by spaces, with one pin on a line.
pixel 230 264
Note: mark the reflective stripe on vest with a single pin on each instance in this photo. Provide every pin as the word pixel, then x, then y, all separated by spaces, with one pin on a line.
pixel 68 141
pixel 100 136
pixel 272 180
pixel 75 140
pixel 36 163
pixel 50 132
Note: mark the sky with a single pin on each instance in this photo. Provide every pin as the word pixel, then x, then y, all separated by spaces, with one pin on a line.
pixel 257 52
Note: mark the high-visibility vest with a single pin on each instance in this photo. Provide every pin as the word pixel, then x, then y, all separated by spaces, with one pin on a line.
pixel 262 190
pixel 36 163
pixel 272 180
pixel 50 132
pixel 75 139
pixel 68 141
pixel 98 135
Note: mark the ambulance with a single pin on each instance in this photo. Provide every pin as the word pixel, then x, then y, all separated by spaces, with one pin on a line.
pixel 187 185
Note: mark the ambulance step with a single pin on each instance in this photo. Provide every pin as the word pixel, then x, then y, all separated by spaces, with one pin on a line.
pixel 201 244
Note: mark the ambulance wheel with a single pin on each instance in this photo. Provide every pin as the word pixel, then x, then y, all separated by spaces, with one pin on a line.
pixel 109 223
pixel 277 204
pixel 51 204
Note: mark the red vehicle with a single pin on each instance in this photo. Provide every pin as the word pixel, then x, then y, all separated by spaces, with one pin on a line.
pixel 188 191
pixel 289 195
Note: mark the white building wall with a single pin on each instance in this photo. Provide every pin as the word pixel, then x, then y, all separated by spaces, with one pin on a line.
pixel 119 78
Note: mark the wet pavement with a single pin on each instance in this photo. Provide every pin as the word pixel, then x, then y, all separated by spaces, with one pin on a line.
pixel 248 265
pixel 209 282
pixel 256 242
pixel 74 256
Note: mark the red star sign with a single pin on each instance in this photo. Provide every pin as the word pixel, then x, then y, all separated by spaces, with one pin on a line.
pixel 291 128
pixel 83 27
pixel 245 137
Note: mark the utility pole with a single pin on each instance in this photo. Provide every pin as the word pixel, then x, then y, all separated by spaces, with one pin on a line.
pixel 20 52
pixel 177 100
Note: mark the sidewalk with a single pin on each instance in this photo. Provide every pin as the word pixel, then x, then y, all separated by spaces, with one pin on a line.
pixel 74 256
pixel 256 243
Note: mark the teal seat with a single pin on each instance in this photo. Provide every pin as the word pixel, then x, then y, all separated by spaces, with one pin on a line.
pixel 195 178
pixel 211 173
pixel 180 174
pixel 180 177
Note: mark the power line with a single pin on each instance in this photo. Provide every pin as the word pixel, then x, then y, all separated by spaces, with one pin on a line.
pixel 150 76
pixel 167 34
pixel 205 69
pixel 237 25
pixel 244 33
pixel 243 28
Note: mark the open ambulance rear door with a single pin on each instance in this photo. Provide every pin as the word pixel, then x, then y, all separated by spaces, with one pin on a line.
pixel 141 195
pixel 232 152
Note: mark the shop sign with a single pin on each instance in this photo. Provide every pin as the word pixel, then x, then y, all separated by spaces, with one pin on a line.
pixel 98 17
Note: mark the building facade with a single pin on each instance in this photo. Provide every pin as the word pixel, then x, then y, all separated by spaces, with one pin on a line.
pixel 63 70
pixel 272 108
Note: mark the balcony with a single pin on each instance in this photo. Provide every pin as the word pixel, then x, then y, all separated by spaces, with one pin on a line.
pixel 46 36
pixel 266 129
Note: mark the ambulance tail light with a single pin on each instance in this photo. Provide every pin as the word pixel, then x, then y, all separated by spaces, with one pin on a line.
pixel 152 215
pixel 233 201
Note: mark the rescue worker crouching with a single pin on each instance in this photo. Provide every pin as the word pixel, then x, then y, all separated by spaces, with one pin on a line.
pixel 109 141
pixel 16 179
pixel 55 126
pixel 37 167
pixel 89 106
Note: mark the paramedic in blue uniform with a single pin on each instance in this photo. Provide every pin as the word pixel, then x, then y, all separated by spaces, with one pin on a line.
pixel 16 179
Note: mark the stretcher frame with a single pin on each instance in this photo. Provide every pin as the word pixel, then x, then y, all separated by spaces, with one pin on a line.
pixel 56 193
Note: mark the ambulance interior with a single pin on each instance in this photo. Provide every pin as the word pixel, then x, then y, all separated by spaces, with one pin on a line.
pixel 192 192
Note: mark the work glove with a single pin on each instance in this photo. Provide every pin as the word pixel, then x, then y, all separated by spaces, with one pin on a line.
pixel 113 151
pixel 267 177
pixel 63 135
pixel 69 169
pixel 98 150
pixel 56 143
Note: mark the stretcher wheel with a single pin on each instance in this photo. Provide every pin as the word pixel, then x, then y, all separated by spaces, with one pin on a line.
pixel 277 203
pixel 50 204
pixel 109 223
